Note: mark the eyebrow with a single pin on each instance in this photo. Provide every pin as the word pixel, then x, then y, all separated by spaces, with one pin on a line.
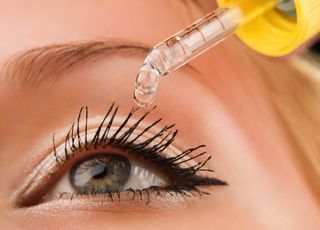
pixel 50 62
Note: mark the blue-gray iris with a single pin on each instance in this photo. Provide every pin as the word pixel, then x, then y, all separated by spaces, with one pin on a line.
pixel 100 173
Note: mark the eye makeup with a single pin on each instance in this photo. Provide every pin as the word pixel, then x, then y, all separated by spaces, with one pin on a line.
pixel 100 160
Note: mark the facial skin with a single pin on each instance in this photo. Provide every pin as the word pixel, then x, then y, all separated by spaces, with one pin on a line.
pixel 221 103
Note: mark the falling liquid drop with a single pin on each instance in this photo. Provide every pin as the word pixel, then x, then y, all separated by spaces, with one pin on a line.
pixel 143 99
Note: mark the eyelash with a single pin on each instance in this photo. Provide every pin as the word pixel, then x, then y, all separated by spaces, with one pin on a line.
pixel 187 180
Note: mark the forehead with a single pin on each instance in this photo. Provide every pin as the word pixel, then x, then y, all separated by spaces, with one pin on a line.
pixel 139 21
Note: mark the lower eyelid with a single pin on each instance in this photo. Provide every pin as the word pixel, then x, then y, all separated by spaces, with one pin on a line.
pixel 126 204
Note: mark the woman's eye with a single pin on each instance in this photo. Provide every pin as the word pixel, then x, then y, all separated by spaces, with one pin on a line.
pixel 118 159
pixel 107 173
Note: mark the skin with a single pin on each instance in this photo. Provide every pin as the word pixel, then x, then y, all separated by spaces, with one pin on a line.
pixel 222 103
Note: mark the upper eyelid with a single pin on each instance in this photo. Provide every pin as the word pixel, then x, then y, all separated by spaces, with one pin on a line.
pixel 158 140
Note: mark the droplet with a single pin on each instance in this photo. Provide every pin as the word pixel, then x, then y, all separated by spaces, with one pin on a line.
pixel 143 99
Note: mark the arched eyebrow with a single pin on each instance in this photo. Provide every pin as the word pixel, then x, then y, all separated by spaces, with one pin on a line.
pixel 49 63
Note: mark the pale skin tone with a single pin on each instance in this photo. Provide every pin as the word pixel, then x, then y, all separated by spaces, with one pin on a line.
pixel 220 103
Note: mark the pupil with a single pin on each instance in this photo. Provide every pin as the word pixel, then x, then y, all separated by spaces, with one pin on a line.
pixel 99 171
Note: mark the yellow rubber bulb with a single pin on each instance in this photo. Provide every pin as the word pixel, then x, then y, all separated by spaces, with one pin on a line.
pixel 270 31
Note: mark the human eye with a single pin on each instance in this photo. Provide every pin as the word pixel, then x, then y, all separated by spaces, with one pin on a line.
pixel 120 159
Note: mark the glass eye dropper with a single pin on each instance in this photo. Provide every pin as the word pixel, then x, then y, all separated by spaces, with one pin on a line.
pixel 190 42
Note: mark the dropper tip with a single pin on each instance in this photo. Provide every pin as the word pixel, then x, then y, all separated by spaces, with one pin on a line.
pixel 146 86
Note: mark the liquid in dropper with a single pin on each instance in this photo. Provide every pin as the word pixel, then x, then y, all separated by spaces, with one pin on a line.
pixel 179 49
pixel 146 86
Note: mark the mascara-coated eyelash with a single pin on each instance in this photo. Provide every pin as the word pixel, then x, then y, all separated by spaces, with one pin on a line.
pixel 187 176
